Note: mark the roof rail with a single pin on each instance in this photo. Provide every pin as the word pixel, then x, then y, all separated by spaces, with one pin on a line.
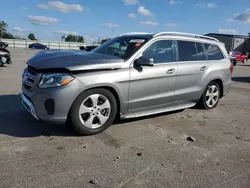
pixel 185 34
pixel 135 33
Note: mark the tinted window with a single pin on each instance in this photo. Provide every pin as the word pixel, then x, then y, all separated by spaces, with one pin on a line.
pixel 161 51
pixel 213 52
pixel 187 51
pixel 201 55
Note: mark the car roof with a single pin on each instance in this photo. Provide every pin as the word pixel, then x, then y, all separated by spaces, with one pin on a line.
pixel 138 35
pixel 174 34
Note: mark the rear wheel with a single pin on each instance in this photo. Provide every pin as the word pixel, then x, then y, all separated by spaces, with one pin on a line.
pixel 211 96
pixel 93 111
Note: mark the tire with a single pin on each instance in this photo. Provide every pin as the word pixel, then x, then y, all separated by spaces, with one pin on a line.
pixel 204 103
pixel 244 61
pixel 1 63
pixel 89 122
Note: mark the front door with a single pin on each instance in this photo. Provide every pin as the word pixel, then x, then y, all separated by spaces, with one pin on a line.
pixel 154 87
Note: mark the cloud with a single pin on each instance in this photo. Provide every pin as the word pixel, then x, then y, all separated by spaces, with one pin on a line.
pixel 43 6
pixel 65 33
pixel 42 20
pixel 228 31
pixel 170 25
pixel 111 25
pixel 18 29
pixel 131 2
pixel 145 12
pixel 203 5
pixel 62 7
pixel 132 15
pixel 243 17
pixel 172 2
pixel 149 23
pixel 211 5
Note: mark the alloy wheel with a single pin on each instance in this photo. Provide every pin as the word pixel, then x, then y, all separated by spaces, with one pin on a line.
pixel 94 111
pixel 212 96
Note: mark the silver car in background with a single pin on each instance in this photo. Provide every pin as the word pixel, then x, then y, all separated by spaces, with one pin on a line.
pixel 133 75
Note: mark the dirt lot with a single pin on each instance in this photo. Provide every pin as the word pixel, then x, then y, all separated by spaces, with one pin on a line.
pixel 149 152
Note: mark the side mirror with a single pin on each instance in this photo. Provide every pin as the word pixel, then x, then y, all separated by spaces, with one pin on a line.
pixel 144 61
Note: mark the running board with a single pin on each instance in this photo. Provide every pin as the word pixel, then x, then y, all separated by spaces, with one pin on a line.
pixel 157 111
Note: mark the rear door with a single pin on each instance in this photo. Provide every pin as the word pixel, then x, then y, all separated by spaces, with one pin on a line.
pixel 192 67
pixel 153 87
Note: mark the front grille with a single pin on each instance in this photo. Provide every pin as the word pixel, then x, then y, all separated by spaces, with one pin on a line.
pixel 29 78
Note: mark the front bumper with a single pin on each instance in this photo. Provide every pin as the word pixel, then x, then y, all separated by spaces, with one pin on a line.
pixel 28 105
pixel 51 104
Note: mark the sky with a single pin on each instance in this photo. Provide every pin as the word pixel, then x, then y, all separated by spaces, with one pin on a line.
pixel 50 19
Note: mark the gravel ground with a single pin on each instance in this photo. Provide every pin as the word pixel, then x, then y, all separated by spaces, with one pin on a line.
pixel 146 152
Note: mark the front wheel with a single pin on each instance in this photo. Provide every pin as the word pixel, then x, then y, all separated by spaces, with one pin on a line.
pixel 211 96
pixel 93 111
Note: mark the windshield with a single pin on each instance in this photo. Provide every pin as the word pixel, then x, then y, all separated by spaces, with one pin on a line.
pixel 123 47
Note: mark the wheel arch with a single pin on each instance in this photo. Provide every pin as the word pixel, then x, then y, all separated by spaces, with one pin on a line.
pixel 219 81
pixel 112 89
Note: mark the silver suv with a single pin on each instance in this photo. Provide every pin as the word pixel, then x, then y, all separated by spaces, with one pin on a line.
pixel 135 74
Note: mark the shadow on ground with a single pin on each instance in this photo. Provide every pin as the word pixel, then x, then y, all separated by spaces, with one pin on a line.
pixel 15 121
pixel 241 79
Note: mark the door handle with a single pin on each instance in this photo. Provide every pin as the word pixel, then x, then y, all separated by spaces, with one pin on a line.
pixel 203 68
pixel 170 71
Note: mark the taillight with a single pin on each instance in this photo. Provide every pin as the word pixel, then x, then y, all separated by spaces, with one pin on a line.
pixel 231 68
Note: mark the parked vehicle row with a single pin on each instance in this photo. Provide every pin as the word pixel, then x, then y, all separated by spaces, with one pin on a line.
pixel 133 75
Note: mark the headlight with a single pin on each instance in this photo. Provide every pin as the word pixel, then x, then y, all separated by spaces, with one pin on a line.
pixel 55 80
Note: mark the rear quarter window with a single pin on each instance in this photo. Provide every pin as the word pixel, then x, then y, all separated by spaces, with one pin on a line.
pixel 213 52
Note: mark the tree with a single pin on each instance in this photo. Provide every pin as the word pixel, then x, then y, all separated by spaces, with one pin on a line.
pixel 80 39
pixel 4 31
pixel 31 36
pixel 71 38
pixel 74 38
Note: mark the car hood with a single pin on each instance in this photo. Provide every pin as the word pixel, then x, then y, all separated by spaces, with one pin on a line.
pixel 74 60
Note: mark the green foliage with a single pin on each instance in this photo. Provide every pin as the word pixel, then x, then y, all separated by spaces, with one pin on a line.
pixel 80 39
pixel 4 31
pixel 73 38
pixel 31 36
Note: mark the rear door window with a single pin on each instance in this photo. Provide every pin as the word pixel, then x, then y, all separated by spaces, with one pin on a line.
pixel 187 51
pixel 201 55
pixel 213 52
